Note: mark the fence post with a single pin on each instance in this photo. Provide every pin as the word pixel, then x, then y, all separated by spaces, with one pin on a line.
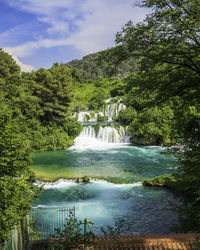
pixel 85 227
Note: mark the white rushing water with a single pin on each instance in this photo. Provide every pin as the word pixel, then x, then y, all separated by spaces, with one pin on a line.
pixel 109 110
pixel 93 116
pixel 66 184
pixel 106 136
pixel 113 110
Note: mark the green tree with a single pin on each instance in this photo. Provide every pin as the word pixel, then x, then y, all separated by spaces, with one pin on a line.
pixel 16 191
pixel 53 87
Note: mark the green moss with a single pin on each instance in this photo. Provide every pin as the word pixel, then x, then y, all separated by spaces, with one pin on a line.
pixel 115 118
pixel 102 118
pixel 86 117
pixel 85 179
pixel 76 117
pixel 114 100
pixel 167 181
pixel 117 125
pixel 96 128
pixel 92 114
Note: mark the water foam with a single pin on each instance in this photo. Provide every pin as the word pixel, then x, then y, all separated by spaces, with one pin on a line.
pixel 65 184
pixel 109 110
pixel 106 137
pixel 59 184
pixel 113 110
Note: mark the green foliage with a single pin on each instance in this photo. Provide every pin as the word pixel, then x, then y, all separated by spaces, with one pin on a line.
pixel 53 87
pixel 127 116
pixel 92 114
pixel 86 117
pixel 33 233
pixel 115 118
pixel 92 94
pixel 102 118
pixel 14 156
pixel 72 236
pixel 8 66
pixel 16 190
pixel 168 181
pixel 33 117
pixel 119 228
pixel 16 198
pixel 153 126
pixel 90 69
pixel 97 127
pixel 86 179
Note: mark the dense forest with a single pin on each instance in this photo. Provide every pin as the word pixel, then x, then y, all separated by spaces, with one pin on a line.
pixel 91 67
pixel 161 92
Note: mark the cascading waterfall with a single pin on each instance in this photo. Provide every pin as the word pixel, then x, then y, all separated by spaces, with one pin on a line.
pixel 105 134
pixel 82 116
pixel 109 110
pixel 94 134
pixel 113 110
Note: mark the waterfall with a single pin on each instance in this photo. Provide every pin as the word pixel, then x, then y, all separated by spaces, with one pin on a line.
pixel 112 135
pixel 113 110
pixel 105 135
pixel 109 110
pixel 100 134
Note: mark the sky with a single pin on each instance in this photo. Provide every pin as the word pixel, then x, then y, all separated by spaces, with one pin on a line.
pixel 38 33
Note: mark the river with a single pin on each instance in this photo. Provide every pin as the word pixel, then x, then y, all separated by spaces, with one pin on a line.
pixel 105 154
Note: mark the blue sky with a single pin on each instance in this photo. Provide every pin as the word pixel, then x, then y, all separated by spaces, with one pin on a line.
pixel 40 32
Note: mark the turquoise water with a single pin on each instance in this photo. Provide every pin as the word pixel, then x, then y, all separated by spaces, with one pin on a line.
pixel 145 210
pixel 122 162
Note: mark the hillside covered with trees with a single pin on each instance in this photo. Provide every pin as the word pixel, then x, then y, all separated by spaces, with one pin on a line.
pixel 90 67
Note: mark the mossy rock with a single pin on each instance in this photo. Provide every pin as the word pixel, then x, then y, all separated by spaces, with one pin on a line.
pixel 92 114
pixel 86 117
pixel 115 118
pixel 96 128
pixel 102 118
pixel 85 179
pixel 167 181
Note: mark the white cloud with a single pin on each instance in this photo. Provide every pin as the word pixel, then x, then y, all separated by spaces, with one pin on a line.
pixel 24 67
pixel 88 25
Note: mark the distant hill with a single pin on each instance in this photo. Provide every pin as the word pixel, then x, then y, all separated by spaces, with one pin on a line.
pixel 90 69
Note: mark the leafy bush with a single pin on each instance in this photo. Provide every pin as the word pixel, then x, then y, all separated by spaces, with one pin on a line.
pixel 167 181
pixel 72 236
pixel 127 116
pixel 86 117
pixel 96 128
pixel 102 118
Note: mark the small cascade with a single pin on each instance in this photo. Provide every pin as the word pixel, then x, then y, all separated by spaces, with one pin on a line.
pixel 112 135
pixel 98 132
pixel 111 110
pixel 85 116
pixel 105 134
